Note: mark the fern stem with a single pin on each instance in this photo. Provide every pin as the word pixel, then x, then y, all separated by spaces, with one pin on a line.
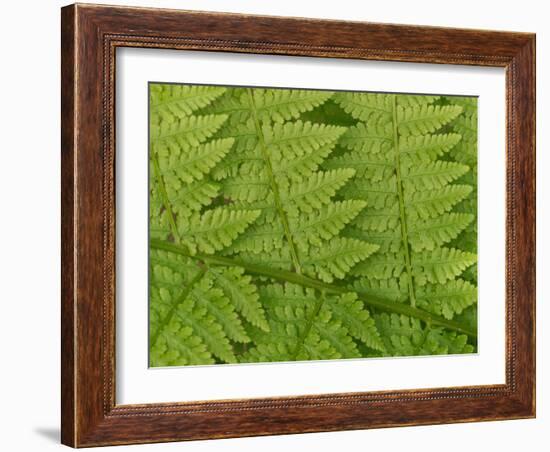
pixel 274 186
pixel 183 295
pixel 305 281
pixel 186 290
pixel 401 197
pixel 302 338
pixel 164 195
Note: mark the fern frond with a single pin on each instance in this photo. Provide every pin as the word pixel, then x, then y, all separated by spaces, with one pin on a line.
pixel 325 223
pixel 316 191
pixel 280 105
pixel 337 257
pixel 190 198
pixel 352 313
pixel 297 148
pixel 387 289
pixel 423 119
pixel 192 163
pixel 211 298
pixel 430 204
pixel 178 101
pixel 447 299
pixel 381 196
pixel 432 233
pixel 370 139
pixel 215 229
pixel 381 266
pixel 372 167
pixel 365 106
pixel 466 152
pixel 426 148
pixel 274 227
pixel 239 288
pixel 433 175
pixel 404 336
pixel 305 325
pixel 395 148
pixel 414 100
pixel 173 137
pixel 182 329
pixel 387 240
pixel 440 265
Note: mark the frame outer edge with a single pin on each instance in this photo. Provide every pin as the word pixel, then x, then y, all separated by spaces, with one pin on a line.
pixel 68 211
pixel 87 420
pixel 525 62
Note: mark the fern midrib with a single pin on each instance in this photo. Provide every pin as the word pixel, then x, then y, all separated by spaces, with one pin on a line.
pixel 164 195
pixel 273 183
pixel 183 295
pixel 292 277
pixel 187 289
pixel 400 196
pixel 309 324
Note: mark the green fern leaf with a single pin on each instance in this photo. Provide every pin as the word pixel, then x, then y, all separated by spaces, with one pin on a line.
pixel 215 229
pixel 280 105
pixel 424 119
pixel 431 204
pixel 195 317
pixel 440 265
pixel 171 102
pixel 387 289
pixel 273 168
pixel 308 229
pixel 382 266
pixel 192 164
pixel 371 139
pixel 304 325
pixel 412 100
pixel 432 175
pixel 432 233
pixel 411 194
pixel 275 228
pixel 182 329
pixel 447 300
pixel 336 258
pixel 466 152
pixel 404 336
pixel 352 313
pixel 426 148
pixel 239 288
pixel 365 106
pixel 170 137
pixel 316 191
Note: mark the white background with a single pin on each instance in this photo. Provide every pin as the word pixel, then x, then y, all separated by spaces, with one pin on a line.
pixel 138 384
pixel 29 387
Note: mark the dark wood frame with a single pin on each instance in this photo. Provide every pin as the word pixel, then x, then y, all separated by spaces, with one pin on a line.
pixel 90 36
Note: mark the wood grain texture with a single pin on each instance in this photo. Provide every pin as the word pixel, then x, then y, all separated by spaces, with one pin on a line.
pixel 68 297
pixel 90 36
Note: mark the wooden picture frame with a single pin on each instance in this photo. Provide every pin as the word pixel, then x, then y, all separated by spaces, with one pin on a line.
pixel 90 35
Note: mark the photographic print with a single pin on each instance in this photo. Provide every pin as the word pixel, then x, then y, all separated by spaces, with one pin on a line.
pixel 294 225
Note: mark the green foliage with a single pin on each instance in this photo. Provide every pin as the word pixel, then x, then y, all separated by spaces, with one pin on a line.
pixel 298 224
pixel 417 208
pixel 306 326
pixel 405 336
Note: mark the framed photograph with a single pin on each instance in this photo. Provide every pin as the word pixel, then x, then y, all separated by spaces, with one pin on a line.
pixel 281 225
